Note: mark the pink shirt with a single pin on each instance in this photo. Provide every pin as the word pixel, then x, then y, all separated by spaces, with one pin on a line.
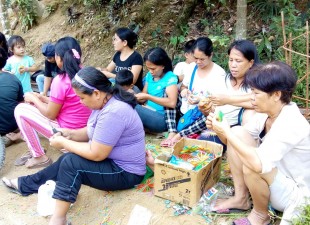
pixel 72 114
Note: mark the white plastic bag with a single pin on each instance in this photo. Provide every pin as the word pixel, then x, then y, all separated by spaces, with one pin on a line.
pixel 46 204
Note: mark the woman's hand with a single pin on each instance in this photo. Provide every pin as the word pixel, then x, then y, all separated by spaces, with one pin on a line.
pixel 193 99
pixel 205 106
pixel 30 97
pixel 185 93
pixel 220 128
pixel 57 141
pixel 219 99
pixel 209 121
pixel 142 97
pixel 65 132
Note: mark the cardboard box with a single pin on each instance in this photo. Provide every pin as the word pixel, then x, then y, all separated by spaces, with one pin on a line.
pixel 182 185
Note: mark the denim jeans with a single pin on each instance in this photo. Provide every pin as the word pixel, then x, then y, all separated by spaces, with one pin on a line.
pixel 40 82
pixel 152 120
pixel 70 171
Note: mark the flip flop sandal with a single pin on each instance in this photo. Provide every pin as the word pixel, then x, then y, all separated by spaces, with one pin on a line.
pixel 8 184
pixel 243 221
pixel 23 159
pixel 231 210
pixel 39 165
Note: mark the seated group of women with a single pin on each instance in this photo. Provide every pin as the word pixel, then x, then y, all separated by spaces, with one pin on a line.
pixel 83 104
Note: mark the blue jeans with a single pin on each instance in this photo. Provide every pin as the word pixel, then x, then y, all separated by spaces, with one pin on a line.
pixel 152 120
pixel 40 82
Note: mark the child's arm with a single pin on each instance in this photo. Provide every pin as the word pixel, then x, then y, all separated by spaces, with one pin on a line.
pixel 31 69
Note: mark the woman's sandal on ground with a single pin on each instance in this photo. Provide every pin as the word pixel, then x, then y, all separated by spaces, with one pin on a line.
pixel 231 210
pixel 9 185
pixel 23 159
pixel 243 221
pixel 34 165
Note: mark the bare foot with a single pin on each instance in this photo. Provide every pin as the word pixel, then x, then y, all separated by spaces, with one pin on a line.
pixel 58 221
pixel 176 138
pixel 258 218
pixel 232 203
pixel 171 135
pixel 149 160
pixel 14 136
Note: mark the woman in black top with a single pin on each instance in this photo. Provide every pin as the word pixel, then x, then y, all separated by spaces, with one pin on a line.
pixel 125 57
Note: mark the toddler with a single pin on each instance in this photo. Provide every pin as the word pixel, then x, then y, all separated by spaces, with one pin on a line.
pixel 124 78
pixel 181 67
pixel 20 64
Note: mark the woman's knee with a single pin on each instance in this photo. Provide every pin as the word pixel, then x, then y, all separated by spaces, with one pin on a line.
pixel 68 162
pixel 22 109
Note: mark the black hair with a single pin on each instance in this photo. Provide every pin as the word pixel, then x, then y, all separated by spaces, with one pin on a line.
pixel 159 57
pixel 98 80
pixel 3 57
pixel 15 40
pixel 124 78
pixel 125 34
pixel 3 42
pixel 247 48
pixel 204 44
pixel 188 46
pixel 249 51
pixel 64 49
pixel 274 76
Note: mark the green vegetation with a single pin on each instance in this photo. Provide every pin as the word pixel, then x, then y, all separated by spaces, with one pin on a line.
pixel 26 12
pixel 304 217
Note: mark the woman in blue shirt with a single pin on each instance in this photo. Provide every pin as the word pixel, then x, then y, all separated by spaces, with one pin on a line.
pixel 160 90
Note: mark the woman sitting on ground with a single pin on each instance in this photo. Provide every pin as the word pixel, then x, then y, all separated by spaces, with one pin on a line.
pixel 112 159
pixel 270 155
pixel 160 90
pixel 62 109
pixel 205 77
pixel 126 57
pixel 236 102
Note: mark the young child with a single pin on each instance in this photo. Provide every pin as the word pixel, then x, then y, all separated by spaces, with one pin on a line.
pixel 20 64
pixel 181 67
pixel 124 78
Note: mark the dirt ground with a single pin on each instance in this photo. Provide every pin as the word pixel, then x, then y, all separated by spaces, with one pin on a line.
pixel 92 206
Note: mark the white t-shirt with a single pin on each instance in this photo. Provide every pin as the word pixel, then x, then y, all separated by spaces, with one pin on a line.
pixel 180 68
pixel 214 83
pixel 286 145
pixel 231 112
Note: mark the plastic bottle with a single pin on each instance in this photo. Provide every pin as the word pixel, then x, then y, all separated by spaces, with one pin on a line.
pixel 206 202
pixel 46 204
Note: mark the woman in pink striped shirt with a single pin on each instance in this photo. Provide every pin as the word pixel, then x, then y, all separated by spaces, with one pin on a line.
pixel 61 109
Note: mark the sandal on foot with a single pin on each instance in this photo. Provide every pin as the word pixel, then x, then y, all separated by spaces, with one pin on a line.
pixel 9 185
pixel 231 210
pixel 243 221
pixel 34 165
pixel 23 159
pixel 14 136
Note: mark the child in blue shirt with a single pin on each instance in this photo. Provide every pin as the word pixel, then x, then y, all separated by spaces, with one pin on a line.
pixel 20 64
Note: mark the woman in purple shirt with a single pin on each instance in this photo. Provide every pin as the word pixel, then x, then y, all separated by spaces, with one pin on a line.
pixel 100 157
